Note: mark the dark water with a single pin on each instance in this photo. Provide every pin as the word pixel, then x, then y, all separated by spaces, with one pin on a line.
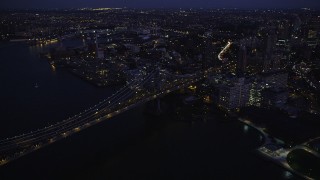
pixel 132 145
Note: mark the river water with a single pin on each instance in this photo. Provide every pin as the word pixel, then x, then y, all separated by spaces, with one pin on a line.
pixel 133 145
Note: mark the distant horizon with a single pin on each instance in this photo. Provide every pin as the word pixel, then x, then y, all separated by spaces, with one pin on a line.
pixel 163 4
pixel 175 8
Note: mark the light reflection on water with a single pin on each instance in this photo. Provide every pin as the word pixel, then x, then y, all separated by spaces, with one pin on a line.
pixel 68 95
pixel 287 175
pixel 245 128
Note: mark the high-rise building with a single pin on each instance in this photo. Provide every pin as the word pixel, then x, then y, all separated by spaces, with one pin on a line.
pixel 276 80
pixel 270 45
pixel 242 60
pixel 232 94
pixel 274 88
pixel 276 63
pixel 99 51
pixel 255 98
pixel 208 51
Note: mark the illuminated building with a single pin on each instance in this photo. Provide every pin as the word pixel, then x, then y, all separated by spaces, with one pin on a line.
pixel 208 53
pixel 278 79
pixel 270 45
pixel 255 94
pixel 242 60
pixel 232 94
pixel 269 89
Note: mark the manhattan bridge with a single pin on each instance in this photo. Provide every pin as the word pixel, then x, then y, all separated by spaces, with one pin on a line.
pixel 150 84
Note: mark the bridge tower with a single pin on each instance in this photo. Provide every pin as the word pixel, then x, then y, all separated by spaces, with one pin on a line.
pixel 155 84
pixel 156 81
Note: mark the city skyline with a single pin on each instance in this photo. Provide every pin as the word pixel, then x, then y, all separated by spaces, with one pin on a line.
pixel 159 93
pixel 20 4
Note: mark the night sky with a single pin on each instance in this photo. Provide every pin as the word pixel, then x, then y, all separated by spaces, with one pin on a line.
pixel 161 3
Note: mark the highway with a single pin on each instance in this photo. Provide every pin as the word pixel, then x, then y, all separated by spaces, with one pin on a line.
pixel 224 50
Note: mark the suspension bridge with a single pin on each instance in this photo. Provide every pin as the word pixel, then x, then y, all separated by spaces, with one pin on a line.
pixel 143 88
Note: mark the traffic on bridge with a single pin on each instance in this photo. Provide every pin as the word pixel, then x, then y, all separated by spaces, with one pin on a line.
pixel 151 86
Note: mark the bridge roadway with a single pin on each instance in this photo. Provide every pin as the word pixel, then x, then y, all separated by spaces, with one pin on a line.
pixel 126 98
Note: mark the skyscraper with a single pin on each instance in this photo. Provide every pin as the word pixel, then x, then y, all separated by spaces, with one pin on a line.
pixel 270 44
pixel 242 60
pixel 232 93
pixel 99 51
pixel 208 51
